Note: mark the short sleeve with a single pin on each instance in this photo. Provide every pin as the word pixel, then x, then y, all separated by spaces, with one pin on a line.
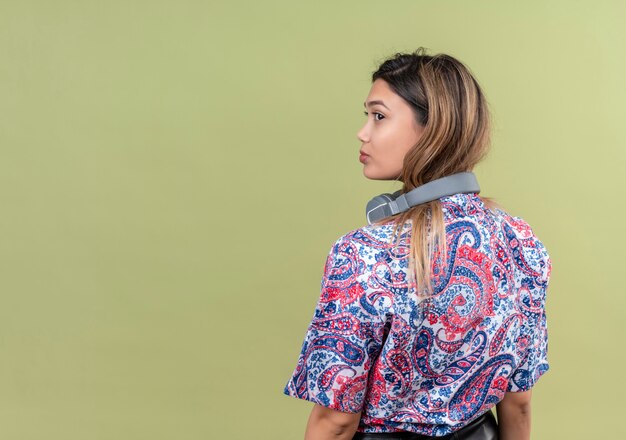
pixel 534 332
pixel 343 339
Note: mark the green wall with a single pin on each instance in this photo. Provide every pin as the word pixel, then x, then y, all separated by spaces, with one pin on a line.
pixel 174 173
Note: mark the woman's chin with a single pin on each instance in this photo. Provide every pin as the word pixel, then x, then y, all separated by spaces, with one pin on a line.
pixel 373 175
pixel 368 174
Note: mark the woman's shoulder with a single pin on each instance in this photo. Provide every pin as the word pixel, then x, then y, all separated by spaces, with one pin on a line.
pixel 520 235
pixel 516 223
pixel 368 246
pixel 381 236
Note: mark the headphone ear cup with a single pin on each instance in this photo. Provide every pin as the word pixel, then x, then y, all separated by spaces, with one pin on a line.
pixel 385 198
pixel 377 207
pixel 388 197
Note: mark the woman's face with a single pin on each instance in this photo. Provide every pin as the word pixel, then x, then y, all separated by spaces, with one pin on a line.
pixel 388 134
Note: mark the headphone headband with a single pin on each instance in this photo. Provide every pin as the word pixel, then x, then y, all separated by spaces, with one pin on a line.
pixel 386 204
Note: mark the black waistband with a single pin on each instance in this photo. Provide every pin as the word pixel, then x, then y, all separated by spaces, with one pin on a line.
pixel 406 435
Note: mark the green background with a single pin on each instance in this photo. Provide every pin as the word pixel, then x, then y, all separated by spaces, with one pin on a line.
pixel 173 175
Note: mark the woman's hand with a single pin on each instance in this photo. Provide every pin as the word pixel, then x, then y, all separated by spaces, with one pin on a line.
pixel 326 424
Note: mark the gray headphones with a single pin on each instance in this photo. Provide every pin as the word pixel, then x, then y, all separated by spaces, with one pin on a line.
pixel 387 204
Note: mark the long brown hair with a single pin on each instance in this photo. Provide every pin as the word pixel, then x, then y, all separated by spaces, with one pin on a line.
pixel 449 103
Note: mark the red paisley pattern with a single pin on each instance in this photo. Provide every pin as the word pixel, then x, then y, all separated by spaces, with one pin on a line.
pixel 428 366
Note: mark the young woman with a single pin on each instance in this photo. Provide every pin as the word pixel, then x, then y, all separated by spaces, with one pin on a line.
pixel 434 314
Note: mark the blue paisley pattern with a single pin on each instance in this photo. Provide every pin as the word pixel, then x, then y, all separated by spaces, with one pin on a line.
pixel 431 365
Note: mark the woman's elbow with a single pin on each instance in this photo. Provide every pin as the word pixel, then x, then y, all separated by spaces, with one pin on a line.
pixel 326 423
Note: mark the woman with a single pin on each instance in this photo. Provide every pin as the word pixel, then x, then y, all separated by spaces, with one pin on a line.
pixel 430 316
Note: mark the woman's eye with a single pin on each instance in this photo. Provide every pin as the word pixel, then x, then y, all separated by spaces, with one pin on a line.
pixel 374 113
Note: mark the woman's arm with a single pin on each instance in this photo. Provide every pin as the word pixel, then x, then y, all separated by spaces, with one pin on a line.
pixel 329 424
pixel 514 416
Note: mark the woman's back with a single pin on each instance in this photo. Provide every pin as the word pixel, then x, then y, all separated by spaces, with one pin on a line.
pixel 428 366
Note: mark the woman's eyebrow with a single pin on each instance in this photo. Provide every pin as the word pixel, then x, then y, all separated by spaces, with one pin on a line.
pixel 374 103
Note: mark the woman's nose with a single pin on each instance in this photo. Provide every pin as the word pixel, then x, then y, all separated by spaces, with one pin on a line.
pixel 362 134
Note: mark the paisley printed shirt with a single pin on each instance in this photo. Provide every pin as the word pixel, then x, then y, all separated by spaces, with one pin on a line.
pixel 431 365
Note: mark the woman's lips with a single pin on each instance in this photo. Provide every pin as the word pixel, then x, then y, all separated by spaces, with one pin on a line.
pixel 363 158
